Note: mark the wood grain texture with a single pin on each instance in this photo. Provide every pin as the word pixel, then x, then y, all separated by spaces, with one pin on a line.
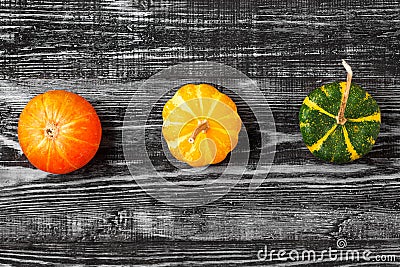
pixel 102 49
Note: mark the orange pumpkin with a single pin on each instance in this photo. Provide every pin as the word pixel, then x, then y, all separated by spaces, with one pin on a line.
pixel 201 125
pixel 59 131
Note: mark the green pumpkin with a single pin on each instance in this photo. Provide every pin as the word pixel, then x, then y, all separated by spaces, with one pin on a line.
pixel 330 140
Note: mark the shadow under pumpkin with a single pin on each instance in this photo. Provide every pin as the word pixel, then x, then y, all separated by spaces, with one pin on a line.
pixel 160 156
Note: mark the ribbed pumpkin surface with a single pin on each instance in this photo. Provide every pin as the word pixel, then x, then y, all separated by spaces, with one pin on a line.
pixel 186 110
pixel 333 142
pixel 59 131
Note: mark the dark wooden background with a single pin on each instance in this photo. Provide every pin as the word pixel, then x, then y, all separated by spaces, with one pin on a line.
pixel 101 48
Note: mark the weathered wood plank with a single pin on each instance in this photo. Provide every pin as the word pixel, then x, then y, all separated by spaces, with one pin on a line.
pixel 181 253
pixel 118 40
pixel 101 49
pixel 322 196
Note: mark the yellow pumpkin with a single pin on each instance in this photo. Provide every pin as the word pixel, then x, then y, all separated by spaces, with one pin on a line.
pixel 201 125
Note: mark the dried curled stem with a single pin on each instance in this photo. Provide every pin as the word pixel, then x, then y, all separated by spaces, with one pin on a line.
pixel 340 117
pixel 202 126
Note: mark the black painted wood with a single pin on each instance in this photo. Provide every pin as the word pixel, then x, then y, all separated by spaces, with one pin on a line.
pixel 102 48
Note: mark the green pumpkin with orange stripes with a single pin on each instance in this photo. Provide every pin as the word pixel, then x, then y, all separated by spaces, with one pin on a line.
pixel 334 141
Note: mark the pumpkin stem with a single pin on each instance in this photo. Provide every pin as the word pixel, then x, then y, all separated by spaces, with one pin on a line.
pixel 51 131
pixel 340 117
pixel 202 126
